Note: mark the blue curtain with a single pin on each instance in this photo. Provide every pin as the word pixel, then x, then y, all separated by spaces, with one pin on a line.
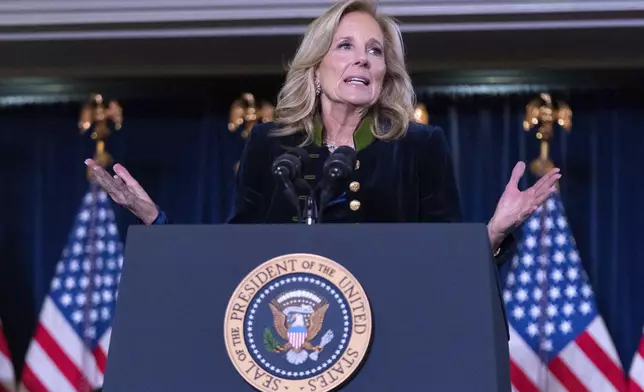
pixel 183 154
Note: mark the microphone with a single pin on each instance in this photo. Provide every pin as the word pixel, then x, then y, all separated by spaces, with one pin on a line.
pixel 340 163
pixel 337 167
pixel 287 168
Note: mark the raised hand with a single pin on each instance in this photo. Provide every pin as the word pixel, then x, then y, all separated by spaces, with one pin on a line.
pixel 515 206
pixel 125 191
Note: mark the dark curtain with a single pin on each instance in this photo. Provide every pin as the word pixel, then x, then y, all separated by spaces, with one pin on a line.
pixel 181 151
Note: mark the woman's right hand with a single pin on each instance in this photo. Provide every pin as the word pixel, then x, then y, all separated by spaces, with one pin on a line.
pixel 125 191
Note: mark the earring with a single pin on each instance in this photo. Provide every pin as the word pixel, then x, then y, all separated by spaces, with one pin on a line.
pixel 318 88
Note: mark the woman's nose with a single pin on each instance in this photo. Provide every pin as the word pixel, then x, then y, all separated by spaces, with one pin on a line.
pixel 362 61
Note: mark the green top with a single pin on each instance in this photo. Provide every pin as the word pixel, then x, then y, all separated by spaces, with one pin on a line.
pixel 361 138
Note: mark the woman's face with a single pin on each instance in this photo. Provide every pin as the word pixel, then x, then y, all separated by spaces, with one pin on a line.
pixel 353 70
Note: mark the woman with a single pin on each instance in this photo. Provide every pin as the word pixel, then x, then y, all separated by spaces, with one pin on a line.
pixel 348 86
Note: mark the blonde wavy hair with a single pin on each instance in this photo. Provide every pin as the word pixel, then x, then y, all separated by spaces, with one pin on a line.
pixel 298 106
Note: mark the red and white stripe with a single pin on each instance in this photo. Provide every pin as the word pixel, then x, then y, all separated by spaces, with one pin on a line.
pixel 7 374
pixel 636 372
pixel 589 363
pixel 57 359
pixel 297 339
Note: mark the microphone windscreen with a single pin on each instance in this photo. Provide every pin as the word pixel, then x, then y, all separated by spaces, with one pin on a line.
pixel 299 152
pixel 289 164
pixel 347 151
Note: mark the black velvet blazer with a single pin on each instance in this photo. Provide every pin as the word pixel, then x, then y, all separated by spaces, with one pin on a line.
pixel 407 180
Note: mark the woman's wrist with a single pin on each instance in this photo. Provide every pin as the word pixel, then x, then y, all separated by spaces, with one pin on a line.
pixel 496 236
pixel 146 212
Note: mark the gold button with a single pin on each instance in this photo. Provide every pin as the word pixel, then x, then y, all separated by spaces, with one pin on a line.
pixel 354 205
pixel 354 186
pixel 357 165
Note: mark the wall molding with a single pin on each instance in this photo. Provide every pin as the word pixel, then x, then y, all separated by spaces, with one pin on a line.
pixel 24 20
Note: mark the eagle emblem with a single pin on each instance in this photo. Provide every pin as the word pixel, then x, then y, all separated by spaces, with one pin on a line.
pixel 298 317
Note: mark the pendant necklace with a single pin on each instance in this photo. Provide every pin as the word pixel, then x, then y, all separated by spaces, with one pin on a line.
pixel 330 146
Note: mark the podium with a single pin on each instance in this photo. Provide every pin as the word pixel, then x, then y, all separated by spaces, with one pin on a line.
pixel 402 307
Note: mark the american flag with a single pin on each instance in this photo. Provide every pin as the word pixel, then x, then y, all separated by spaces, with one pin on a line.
pixel 7 375
pixel 558 340
pixel 70 345
pixel 636 372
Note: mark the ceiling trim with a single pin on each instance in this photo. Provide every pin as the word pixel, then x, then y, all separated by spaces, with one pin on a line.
pixel 51 12
pixel 293 30
pixel 123 19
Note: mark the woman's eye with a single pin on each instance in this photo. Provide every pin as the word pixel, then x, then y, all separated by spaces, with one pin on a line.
pixel 375 50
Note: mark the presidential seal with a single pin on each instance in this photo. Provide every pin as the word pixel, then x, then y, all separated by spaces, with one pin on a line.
pixel 298 322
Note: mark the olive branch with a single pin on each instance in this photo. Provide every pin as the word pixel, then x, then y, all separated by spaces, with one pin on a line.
pixel 270 342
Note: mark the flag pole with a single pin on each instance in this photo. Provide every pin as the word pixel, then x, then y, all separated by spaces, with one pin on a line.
pixel 94 116
pixel 244 111
pixel 559 339
pixel 541 115
pixel 244 114
pixel 70 345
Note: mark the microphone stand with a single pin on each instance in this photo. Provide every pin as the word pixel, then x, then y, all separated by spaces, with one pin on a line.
pixel 287 168
pixel 312 212
pixel 336 168
pixel 289 191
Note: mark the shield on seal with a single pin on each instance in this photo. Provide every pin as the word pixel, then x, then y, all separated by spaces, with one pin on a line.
pixel 297 336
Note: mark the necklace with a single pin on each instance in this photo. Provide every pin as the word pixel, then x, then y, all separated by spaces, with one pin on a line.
pixel 332 145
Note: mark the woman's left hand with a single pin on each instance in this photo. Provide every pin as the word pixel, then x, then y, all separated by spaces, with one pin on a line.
pixel 515 206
